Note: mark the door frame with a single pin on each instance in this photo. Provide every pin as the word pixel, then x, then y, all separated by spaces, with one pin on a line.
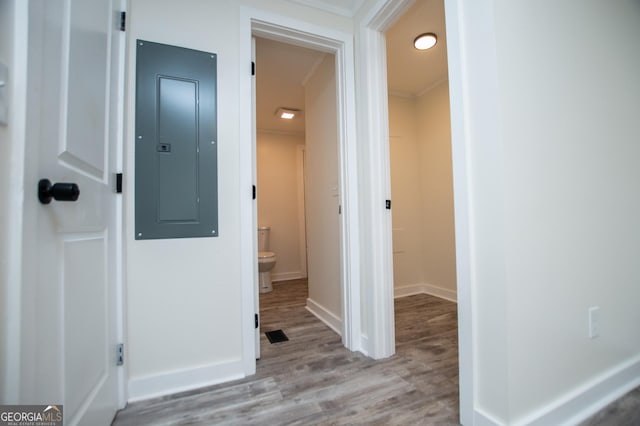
pixel 255 22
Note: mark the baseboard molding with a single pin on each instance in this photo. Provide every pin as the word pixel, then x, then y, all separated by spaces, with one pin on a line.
pixel 588 399
pixel 183 380
pixel 364 344
pixel 286 276
pixel 580 404
pixel 480 418
pixel 324 315
pixel 410 290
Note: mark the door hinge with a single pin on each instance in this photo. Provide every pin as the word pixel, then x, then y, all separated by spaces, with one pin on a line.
pixel 257 321
pixel 253 68
pixel 253 189
pixel 123 21
pixel 387 204
pixel 120 354
pixel 118 183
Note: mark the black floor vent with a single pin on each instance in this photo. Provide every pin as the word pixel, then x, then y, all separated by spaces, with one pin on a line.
pixel 276 336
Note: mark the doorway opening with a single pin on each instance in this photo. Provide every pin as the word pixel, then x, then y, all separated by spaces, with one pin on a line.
pixel 342 190
pixel 373 49
pixel 297 166
pixel 423 235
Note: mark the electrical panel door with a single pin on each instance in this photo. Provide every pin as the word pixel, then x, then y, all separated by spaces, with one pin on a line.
pixel 176 178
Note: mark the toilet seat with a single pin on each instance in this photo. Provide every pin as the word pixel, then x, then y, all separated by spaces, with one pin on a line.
pixel 266 255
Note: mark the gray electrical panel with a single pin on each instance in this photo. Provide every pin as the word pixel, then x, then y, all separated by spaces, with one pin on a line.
pixel 176 176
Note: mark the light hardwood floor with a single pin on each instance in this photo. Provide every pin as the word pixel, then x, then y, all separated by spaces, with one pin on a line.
pixel 312 379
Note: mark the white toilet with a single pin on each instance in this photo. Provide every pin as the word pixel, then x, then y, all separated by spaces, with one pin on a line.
pixel 266 259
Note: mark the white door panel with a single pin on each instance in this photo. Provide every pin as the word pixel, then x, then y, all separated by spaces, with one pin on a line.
pixel 75 80
pixel 85 85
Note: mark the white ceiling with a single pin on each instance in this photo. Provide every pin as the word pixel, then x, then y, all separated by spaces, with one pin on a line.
pixel 411 72
pixel 282 68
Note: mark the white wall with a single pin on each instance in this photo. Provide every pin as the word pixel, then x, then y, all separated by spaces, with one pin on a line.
pixel 280 199
pixel 180 292
pixel 555 184
pixel 422 194
pixel 322 189
pixel 438 238
pixel 406 193
pixel 184 296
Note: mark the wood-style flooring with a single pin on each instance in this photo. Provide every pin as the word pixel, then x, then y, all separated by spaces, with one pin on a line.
pixel 313 380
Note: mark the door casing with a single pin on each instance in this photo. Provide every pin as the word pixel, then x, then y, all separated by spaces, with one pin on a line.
pixel 287 30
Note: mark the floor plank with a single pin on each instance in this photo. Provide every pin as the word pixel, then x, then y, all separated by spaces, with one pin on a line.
pixel 313 379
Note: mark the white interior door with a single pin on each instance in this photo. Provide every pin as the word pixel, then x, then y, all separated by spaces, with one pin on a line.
pixel 74 118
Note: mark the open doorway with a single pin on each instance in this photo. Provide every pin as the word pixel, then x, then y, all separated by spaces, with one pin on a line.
pixel 298 203
pixel 423 229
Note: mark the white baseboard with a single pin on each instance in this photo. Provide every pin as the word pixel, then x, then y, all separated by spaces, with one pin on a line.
pixel 324 315
pixel 183 380
pixel 480 418
pixel 588 399
pixel 581 403
pixel 286 276
pixel 364 344
pixel 411 289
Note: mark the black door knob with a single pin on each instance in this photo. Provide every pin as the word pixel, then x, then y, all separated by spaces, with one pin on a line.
pixel 60 191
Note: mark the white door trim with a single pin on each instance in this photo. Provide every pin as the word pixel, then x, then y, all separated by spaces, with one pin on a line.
pixel 285 29
pixel 372 51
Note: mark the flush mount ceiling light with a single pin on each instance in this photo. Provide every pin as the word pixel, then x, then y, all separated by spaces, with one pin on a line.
pixel 425 41
pixel 287 113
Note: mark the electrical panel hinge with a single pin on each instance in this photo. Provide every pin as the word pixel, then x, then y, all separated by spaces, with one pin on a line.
pixel 253 192
pixel 387 204
pixel 253 68
pixel 257 321
pixel 120 354
pixel 123 21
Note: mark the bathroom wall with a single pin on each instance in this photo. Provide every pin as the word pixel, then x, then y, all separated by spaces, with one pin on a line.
pixel 280 198
pixel 422 193
pixel 434 151
pixel 322 196
pixel 406 192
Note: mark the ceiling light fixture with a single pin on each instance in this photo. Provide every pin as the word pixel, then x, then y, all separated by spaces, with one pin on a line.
pixel 425 41
pixel 287 113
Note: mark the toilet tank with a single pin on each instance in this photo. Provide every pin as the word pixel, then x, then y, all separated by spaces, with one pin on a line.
pixel 263 238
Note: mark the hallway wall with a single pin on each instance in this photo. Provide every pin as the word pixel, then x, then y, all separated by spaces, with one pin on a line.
pixel 550 144
pixel 184 296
